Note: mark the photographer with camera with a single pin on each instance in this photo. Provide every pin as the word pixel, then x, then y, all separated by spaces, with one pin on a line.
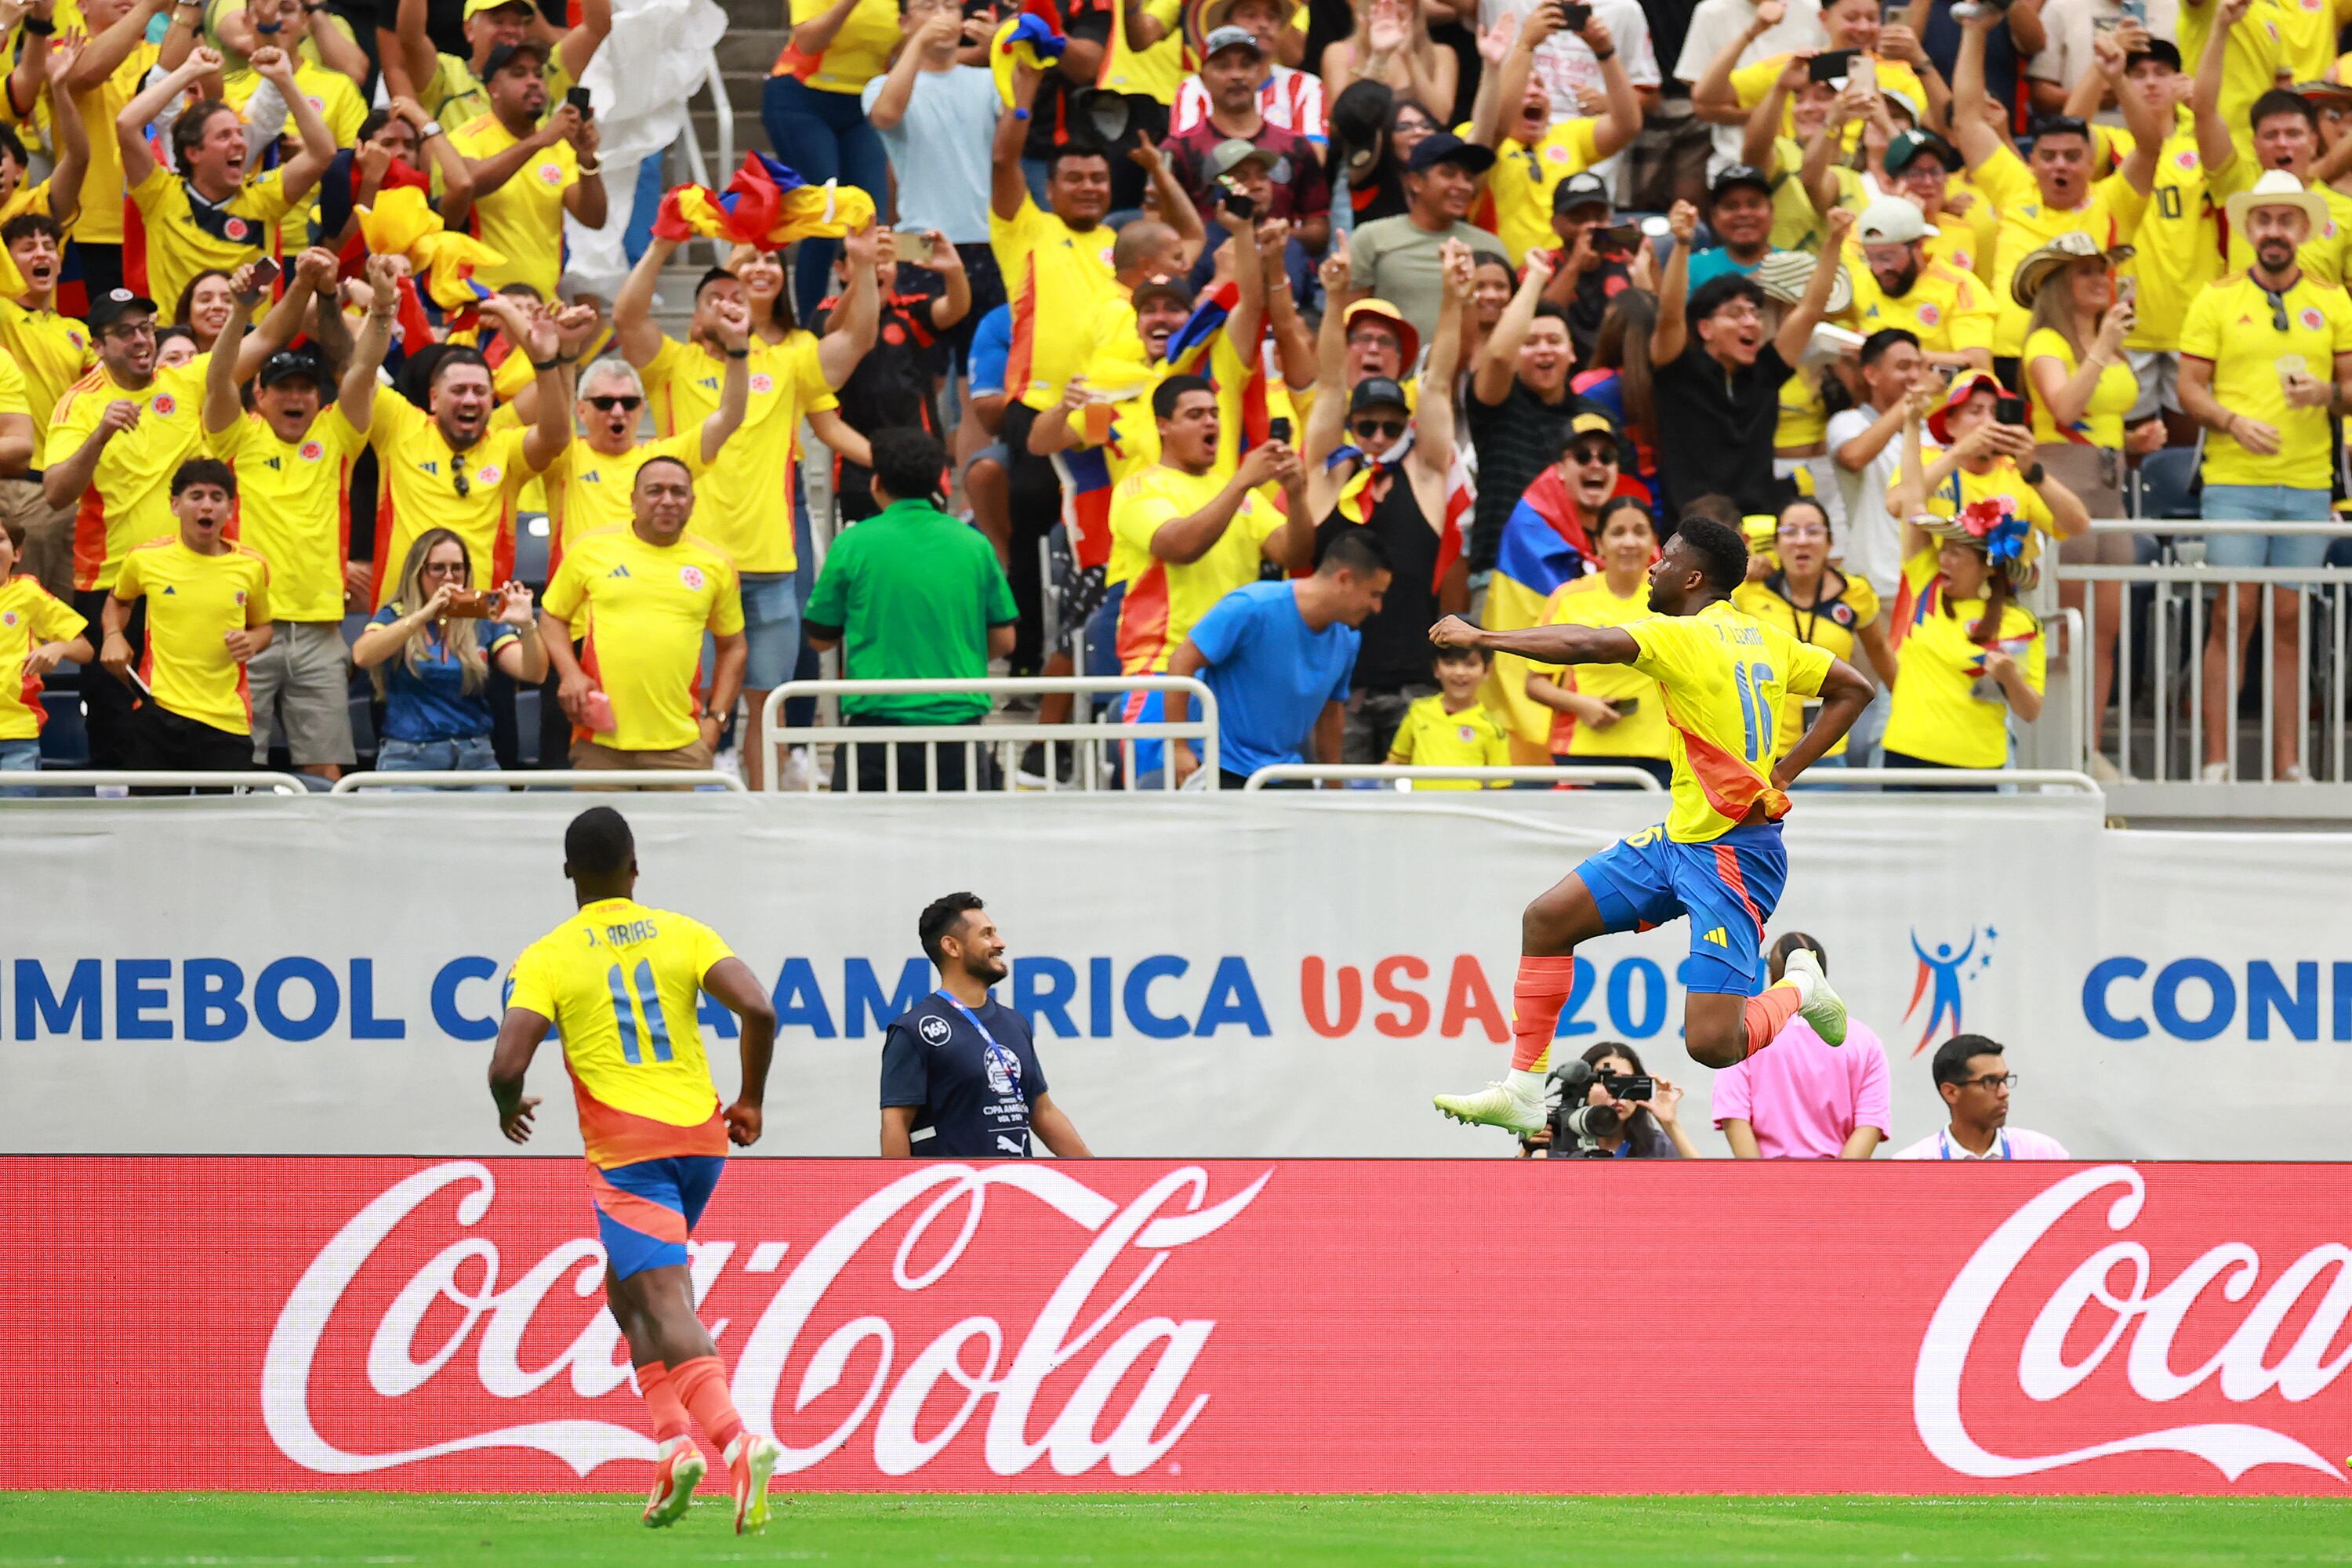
pixel 1611 1108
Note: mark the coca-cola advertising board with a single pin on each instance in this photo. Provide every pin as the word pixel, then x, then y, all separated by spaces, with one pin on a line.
pixel 1311 1326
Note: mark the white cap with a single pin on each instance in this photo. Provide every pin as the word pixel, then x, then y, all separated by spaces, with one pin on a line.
pixel 1892 220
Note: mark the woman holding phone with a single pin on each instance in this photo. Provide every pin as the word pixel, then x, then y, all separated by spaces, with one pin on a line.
pixel 430 649
pixel 1815 603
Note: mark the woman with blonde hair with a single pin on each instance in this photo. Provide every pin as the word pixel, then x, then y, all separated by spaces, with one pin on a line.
pixel 2080 385
pixel 1390 44
pixel 429 650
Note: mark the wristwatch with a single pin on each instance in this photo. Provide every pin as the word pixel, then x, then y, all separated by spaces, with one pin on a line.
pixel 429 129
pixel 2036 474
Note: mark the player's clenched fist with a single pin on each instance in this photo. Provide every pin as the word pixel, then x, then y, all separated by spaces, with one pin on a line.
pixel 1455 632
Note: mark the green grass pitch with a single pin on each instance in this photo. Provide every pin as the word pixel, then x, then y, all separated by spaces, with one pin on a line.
pixel 56 1530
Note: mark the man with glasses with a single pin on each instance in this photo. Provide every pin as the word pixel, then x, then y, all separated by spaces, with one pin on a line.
pixel 1900 286
pixel 444 466
pixel 1975 1082
pixel 115 439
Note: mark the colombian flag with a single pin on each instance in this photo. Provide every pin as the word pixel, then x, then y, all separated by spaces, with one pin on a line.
pixel 403 224
pixel 766 205
pixel 1033 39
pixel 1544 544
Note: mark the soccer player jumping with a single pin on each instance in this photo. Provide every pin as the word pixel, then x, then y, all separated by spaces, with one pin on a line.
pixel 620 982
pixel 1716 861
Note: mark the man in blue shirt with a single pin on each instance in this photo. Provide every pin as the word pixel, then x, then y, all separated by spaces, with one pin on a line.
pixel 960 1078
pixel 1279 656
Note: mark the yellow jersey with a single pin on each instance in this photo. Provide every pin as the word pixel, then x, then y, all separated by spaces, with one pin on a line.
pixel 129 501
pixel 1754 83
pixel 419 492
pixel 339 104
pixel 1724 677
pixel 744 506
pixel 646 606
pixel 100 220
pixel 1832 623
pixel 14 397
pixel 1156 72
pixel 455 95
pixel 193 602
pixel 1524 177
pixel 53 350
pixel 2109 215
pixel 294 508
pixel 2101 422
pixel 1642 731
pixel 187 235
pixel 2232 326
pixel 1054 277
pixel 1165 598
pixel 588 491
pixel 622 983
pixel 1430 736
pixel 1936 715
pixel 522 220
pixel 2004 482
pixel 2326 256
pixel 29 616
pixel 2179 247
pixel 1947 308
pixel 860 52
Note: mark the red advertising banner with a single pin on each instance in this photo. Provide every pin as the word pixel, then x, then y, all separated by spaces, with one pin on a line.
pixel 1307 1326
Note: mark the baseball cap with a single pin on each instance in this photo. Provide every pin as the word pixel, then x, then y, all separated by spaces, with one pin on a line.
pixel 1892 220
pixel 1225 38
pixel 113 305
pixel 287 364
pixel 1378 310
pixel 1581 190
pixel 1906 147
pixel 1963 387
pixel 2156 48
pixel 1376 392
pixel 1445 147
pixel 1174 289
pixel 1740 175
pixel 1592 420
pixel 500 57
pixel 1234 152
pixel 476 7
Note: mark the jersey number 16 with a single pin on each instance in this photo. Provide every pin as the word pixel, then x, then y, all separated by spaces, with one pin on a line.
pixel 1755 709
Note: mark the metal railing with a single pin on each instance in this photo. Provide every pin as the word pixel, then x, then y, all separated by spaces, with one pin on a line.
pixel 1407 775
pixel 2019 781
pixel 81 781
pixel 2171 610
pixel 537 778
pixel 1091 736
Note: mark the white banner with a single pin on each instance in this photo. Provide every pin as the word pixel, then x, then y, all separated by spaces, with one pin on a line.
pixel 1207 976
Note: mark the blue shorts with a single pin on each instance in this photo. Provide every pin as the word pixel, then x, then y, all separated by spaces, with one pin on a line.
pixel 645 1211
pixel 1726 888
pixel 771 630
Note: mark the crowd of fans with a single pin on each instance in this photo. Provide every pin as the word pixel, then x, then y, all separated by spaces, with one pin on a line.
pixel 1249 337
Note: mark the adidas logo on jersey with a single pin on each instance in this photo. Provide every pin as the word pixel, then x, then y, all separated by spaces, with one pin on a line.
pixel 618 572
pixel 168 590
pixel 1720 937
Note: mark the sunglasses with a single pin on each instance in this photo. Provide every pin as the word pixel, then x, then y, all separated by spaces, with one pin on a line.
pixel 1591 457
pixel 607 402
pixel 457 475
pixel 1391 429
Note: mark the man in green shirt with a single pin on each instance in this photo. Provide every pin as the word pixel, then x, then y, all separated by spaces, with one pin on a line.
pixel 911 594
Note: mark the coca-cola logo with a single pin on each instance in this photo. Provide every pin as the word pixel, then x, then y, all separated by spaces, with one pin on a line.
pixel 2086 1318
pixel 1145 1361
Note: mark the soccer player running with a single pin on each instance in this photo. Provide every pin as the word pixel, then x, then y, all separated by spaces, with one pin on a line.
pixel 1717 860
pixel 618 981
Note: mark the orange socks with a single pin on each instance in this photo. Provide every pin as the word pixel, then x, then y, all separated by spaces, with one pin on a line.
pixel 701 1387
pixel 1536 998
pixel 1767 1015
pixel 661 1399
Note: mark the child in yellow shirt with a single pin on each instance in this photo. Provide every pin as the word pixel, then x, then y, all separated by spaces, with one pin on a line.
pixel 1453 729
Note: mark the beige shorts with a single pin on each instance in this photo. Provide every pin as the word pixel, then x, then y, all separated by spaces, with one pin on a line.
pixel 300 686
pixel 587 755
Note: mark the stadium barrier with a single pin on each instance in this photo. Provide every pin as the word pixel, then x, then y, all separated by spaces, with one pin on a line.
pixel 84 781
pixel 544 778
pixel 1088 734
pixel 1243 1326
pixel 1280 973
pixel 2032 781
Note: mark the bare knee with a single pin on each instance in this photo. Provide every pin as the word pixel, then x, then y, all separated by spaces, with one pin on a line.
pixel 1545 927
pixel 1715 1047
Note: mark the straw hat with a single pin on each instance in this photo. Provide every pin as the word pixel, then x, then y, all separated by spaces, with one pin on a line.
pixel 1785 275
pixel 2008 541
pixel 2039 267
pixel 1964 386
pixel 2277 188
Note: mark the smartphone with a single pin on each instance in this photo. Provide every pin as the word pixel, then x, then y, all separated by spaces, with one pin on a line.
pixel 1573 17
pixel 1656 228
pixel 266 273
pixel 1832 66
pixel 472 605
pixel 1629 1086
pixel 578 99
pixel 1231 199
pixel 913 245
pixel 1624 705
pixel 1277 429
pixel 2006 410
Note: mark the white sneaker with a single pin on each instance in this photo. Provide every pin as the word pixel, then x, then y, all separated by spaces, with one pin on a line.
pixel 1496 1105
pixel 2103 769
pixel 1826 1009
pixel 800 773
pixel 2295 774
pixel 729 761
pixel 2213 772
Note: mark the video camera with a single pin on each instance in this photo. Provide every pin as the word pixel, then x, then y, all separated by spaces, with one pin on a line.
pixel 1576 1126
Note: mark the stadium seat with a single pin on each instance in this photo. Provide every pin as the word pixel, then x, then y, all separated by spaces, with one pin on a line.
pixel 2165 488
pixel 527 722
pixel 65 738
pixel 532 547
pixel 364 742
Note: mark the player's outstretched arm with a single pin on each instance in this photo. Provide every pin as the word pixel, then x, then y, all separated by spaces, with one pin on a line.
pixel 1845 692
pixel 739 990
pixel 1544 644
pixel 520 1033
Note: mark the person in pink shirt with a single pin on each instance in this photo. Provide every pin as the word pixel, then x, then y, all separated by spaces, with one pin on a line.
pixel 1804 1098
pixel 1975 1081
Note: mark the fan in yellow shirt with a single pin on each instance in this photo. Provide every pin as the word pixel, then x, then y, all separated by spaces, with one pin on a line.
pixel 1971 656
pixel 1534 155
pixel 527 175
pixel 1985 457
pixel 211 214
pixel 1451 728
pixel 2052 191
pixel 53 350
pixel 2285 140
pixel 1817 605
pixel 1898 285
pixel 1609 714
pixel 37 632
pixel 449 87
pixel 120 55
pixel 1056 263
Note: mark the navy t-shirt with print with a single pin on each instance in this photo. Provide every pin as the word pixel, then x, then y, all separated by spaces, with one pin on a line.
pixel 972 1078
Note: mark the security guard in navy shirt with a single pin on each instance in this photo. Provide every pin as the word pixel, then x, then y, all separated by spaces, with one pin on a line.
pixel 959 1073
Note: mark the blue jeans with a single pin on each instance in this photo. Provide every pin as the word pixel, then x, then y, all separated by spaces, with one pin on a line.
pixel 20 757
pixel 772 628
pixel 823 136
pixel 2266 504
pixel 470 754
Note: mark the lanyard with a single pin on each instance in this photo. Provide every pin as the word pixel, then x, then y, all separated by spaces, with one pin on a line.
pixel 1012 1063
pixel 1944 1143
